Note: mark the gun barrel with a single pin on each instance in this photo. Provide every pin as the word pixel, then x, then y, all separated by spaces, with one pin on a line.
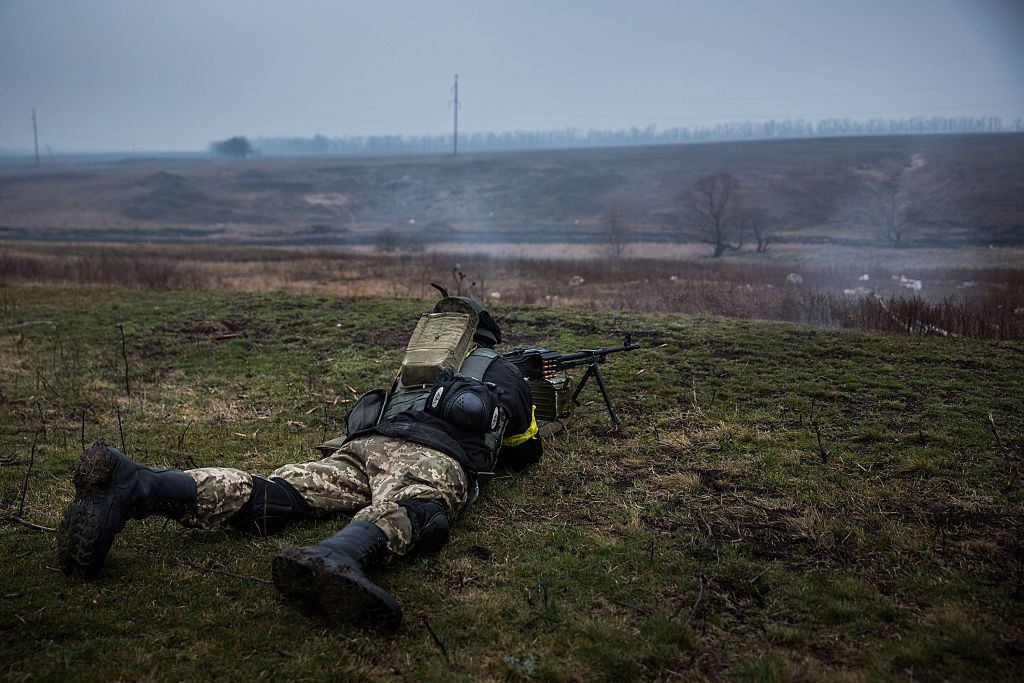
pixel 544 363
pixel 592 355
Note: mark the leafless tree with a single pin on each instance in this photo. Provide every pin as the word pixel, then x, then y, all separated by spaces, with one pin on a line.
pixel 758 221
pixel 893 194
pixel 387 240
pixel 713 213
pixel 615 232
pixel 391 240
pixel 893 209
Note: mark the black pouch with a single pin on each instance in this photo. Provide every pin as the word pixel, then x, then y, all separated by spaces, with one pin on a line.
pixel 363 415
pixel 464 402
pixel 366 412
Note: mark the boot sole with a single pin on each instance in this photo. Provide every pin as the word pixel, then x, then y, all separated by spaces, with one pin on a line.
pixel 94 470
pixel 312 580
pixel 78 534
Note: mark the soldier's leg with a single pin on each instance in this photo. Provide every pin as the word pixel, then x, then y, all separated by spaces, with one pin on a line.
pixel 220 493
pixel 291 494
pixel 110 489
pixel 415 491
pixel 411 490
pixel 250 503
pixel 335 484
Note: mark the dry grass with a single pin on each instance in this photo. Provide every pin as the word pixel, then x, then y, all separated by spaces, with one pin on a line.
pixel 984 302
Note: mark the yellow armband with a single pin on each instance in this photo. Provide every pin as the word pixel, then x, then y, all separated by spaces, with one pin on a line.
pixel 519 439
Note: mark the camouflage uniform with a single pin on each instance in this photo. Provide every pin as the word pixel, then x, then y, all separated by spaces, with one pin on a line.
pixel 402 471
pixel 366 478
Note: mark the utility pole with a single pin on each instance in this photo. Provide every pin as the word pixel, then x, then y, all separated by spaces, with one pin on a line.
pixel 35 134
pixel 455 135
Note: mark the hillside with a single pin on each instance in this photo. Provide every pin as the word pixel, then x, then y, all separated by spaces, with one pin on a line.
pixel 969 191
pixel 781 503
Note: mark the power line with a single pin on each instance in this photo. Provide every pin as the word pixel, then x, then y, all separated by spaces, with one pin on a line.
pixel 415 114
pixel 676 116
pixel 388 104
pixel 741 98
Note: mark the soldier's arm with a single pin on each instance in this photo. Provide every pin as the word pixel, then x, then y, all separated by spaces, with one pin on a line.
pixel 521 446
pixel 521 450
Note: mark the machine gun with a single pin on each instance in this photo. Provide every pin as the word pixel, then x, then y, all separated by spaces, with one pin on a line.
pixel 545 370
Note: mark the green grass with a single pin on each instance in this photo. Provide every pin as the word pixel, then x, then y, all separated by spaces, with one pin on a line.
pixel 711 537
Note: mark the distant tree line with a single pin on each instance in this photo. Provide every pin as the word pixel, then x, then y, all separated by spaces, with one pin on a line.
pixel 237 147
pixel 649 135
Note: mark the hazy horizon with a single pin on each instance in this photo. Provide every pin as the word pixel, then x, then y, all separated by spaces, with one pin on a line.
pixel 118 76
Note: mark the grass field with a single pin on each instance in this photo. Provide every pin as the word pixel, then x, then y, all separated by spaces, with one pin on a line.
pixel 782 502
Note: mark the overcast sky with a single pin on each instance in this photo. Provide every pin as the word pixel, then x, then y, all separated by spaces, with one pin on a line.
pixel 174 75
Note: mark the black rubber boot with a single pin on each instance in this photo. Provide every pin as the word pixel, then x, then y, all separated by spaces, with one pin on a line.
pixel 429 526
pixel 331 577
pixel 110 489
pixel 272 505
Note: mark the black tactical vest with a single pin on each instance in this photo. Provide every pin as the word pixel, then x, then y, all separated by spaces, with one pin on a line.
pixel 475 365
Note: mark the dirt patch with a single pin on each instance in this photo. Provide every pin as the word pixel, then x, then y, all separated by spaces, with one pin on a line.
pixel 225 328
pixel 331 200
pixel 396 337
pixel 729 353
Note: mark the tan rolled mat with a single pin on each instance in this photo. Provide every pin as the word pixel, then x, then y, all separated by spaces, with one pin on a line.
pixel 547 430
pixel 440 340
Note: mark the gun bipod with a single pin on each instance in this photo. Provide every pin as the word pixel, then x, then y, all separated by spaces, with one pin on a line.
pixel 595 371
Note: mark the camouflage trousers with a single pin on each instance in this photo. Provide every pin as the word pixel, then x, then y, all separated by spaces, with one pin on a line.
pixel 366 478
